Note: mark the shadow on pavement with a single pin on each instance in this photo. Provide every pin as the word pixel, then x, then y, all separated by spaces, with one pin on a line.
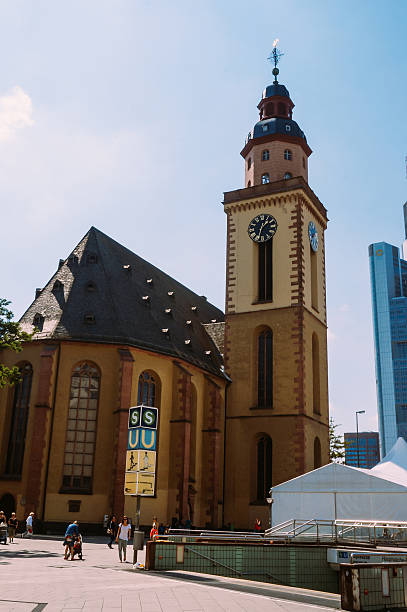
pixel 26 554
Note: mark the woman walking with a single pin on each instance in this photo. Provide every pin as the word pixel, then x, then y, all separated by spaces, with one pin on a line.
pixel 123 536
pixel 111 530
pixel 12 526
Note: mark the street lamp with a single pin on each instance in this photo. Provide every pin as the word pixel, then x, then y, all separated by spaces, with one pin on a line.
pixel 357 432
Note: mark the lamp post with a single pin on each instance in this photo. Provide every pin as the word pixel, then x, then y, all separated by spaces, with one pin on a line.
pixel 357 432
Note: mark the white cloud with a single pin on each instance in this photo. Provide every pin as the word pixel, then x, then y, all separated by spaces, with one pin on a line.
pixel 15 112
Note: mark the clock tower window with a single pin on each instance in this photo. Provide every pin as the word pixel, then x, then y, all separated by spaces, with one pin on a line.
pixel 314 279
pixel 265 271
pixel 264 468
pixel 288 155
pixel 315 375
pixel 265 155
pixel 265 369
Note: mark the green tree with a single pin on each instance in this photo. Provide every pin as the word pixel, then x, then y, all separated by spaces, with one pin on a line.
pixel 11 337
pixel 336 444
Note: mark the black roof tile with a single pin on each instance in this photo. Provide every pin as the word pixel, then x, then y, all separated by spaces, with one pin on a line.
pixel 110 294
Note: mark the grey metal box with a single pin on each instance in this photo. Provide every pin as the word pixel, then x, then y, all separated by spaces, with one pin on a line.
pixel 138 540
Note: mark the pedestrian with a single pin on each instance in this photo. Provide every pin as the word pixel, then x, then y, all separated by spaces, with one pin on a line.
pixel 123 536
pixel 153 531
pixel 72 532
pixel 257 526
pixel 112 530
pixel 12 527
pixel 3 527
pixel 29 525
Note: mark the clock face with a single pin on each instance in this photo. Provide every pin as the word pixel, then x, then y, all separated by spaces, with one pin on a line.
pixel 262 228
pixel 313 236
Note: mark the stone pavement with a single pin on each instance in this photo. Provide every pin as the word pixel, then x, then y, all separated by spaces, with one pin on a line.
pixel 34 576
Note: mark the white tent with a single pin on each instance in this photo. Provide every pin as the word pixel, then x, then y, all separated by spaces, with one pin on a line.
pixel 337 491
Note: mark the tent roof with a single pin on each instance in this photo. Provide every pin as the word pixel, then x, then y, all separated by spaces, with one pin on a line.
pixel 389 475
pixel 394 465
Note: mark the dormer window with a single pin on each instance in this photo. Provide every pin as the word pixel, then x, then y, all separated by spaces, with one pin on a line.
pixel 288 175
pixel 265 178
pixel 90 286
pixel 288 155
pixel 265 127
pixel 58 286
pixel 287 127
pixel 92 258
pixel 265 155
pixel 38 321
pixel 89 318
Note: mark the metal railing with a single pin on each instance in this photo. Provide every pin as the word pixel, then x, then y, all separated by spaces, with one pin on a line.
pixel 205 534
pixel 339 531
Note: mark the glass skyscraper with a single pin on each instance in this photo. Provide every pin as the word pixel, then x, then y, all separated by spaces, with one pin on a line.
pixel 388 275
pixel 362 449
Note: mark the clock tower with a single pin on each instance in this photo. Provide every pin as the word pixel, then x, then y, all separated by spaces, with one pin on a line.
pixel 276 333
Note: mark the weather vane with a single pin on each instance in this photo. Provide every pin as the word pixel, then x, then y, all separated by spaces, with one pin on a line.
pixel 275 57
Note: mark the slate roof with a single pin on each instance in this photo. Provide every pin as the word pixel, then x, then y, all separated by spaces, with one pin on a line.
pixel 105 293
pixel 276 89
pixel 277 125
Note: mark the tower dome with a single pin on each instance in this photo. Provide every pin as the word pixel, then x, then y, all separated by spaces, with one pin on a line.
pixel 276 148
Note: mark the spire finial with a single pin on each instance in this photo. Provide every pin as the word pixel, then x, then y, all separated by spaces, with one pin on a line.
pixel 275 57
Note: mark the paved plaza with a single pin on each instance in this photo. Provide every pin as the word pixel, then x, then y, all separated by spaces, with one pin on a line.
pixel 35 576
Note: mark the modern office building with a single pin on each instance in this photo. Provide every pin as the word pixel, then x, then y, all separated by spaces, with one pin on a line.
pixel 366 445
pixel 388 274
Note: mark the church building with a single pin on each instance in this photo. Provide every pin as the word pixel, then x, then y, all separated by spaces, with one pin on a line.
pixel 242 396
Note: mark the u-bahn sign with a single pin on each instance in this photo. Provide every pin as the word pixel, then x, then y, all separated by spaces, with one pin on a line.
pixel 141 452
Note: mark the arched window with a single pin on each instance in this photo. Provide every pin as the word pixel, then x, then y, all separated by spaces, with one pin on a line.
pixel 265 178
pixel 146 394
pixel 314 278
pixel 281 109
pixel 249 163
pixel 19 419
pixel 288 175
pixel 270 109
pixel 315 375
pixel 317 453
pixel 81 428
pixel 265 369
pixel 249 184
pixel 265 155
pixel 264 467
pixel 265 271
pixel 193 445
pixel 288 155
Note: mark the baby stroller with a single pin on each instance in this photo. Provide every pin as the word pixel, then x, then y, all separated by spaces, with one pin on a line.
pixel 77 547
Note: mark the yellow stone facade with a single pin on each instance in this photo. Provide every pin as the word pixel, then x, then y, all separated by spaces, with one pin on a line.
pixel 204 488
pixel 295 318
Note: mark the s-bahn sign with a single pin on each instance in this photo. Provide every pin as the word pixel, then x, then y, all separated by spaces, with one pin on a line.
pixel 141 455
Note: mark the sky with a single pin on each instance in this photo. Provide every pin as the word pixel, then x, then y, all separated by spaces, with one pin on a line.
pixel 130 115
